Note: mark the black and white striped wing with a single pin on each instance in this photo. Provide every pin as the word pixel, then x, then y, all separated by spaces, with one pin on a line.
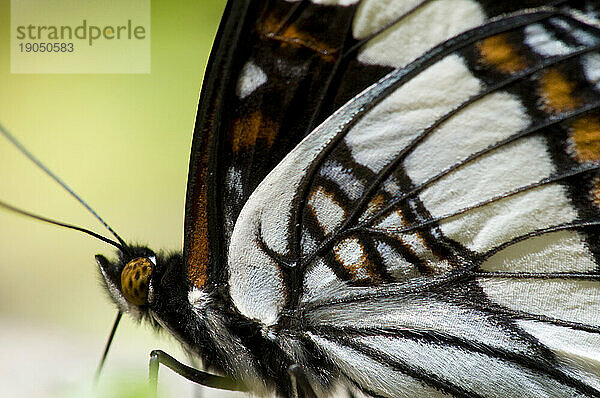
pixel 438 235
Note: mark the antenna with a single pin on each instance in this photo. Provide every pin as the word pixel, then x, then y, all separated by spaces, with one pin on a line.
pixel 62 224
pixel 60 182
pixel 121 245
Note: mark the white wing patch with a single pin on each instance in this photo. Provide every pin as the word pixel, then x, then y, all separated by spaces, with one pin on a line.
pixel 320 282
pixel 544 42
pixel 255 280
pixel 395 263
pixel 393 123
pixel 580 35
pixel 335 2
pixel 372 375
pixel 329 2
pixel 411 240
pixel 406 40
pixel 251 78
pixel 562 299
pixel 420 314
pixel 372 15
pixel 328 212
pixel 351 254
pixel 492 175
pixel 343 178
pixel 471 130
pixel 563 251
pixel 591 69
pixel 479 373
pixel 577 350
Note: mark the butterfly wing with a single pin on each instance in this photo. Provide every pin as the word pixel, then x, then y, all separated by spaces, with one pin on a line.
pixel 438 234
pixel 278 69
pixel 273 75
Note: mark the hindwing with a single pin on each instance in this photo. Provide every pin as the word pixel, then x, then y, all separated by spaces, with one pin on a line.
pixel 437 235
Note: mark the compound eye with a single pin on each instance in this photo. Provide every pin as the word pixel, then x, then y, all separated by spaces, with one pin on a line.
pixel 134 280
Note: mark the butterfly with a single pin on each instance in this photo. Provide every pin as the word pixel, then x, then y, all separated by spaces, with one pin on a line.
pixel 394 199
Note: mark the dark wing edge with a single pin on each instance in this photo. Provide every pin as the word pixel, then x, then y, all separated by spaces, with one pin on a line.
pixel 202 243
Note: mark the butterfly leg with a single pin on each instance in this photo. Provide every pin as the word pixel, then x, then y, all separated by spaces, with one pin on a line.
pixel 300 382
pixel 158 357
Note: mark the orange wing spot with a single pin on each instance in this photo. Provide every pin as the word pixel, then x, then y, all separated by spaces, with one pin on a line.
pixel 244 132
pixel 290 35
pixel 557 92
pixel 595 192
pixel 499 53
pixel 351 254
pixel 376 204
pixel 585 135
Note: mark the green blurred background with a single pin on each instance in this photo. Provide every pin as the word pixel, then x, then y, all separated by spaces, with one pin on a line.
pixel 122 142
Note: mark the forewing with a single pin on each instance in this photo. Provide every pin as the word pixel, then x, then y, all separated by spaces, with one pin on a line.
pixel 439 232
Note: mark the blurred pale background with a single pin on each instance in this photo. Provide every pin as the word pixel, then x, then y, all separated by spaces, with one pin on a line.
pixel 122 142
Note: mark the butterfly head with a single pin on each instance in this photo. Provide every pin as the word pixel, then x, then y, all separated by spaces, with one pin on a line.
pixel 130 280
pixel 135 279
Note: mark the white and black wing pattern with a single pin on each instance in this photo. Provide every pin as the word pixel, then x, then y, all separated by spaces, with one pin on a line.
pixel 438 235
